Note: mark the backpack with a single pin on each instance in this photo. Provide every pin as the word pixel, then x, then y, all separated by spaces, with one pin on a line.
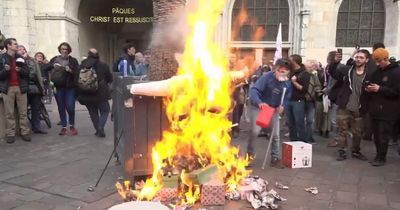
pixel 314 87
pixel 59 76
pixel 87 80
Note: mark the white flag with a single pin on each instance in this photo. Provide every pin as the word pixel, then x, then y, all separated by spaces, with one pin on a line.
pixel 278 44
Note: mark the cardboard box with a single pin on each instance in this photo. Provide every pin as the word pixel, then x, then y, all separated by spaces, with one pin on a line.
pixel 213 193
pixel 297 154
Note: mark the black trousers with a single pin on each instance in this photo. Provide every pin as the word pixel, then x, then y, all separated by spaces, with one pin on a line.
pixel 382 131
pixel 237 114
pixel 98 114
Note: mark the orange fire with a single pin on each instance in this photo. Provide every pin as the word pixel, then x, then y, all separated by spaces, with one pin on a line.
pixel 198 111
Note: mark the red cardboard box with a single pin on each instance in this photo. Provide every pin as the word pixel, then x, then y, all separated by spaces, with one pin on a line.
pixel 213 193
pixel 166 194
pixel 297 154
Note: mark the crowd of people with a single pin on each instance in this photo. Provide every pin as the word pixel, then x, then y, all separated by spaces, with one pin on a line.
pixel 26 83
pixel 353 100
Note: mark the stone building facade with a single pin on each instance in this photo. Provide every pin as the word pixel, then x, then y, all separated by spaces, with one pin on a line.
pixel 312 26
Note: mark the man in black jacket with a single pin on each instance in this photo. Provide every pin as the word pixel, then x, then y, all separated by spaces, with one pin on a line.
pixel 97 102
pixel 14 78
pixel 383 94
pixel 350 101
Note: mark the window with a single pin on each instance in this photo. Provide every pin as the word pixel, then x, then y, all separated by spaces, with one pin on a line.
pixel 263 15
pixel 360 22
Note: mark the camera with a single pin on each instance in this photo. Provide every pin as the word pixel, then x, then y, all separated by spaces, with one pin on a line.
pixel 20 62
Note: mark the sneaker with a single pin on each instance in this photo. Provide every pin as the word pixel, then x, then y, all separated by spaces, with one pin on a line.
pixel 333 143
pixel 276 163
pixel 311 141
pixel 10 139
pixel 263 133
pixel 341 155
pixel 40 132
pixel 73 131
pixel 101 134
pixel 358 155
pixel 326 135
pixel 63 132
pixel 378 163
pixel 26 138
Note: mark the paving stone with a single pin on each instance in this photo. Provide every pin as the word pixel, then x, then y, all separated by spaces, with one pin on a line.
pixel 34 206
pixel 348 187
pixel 374 199
pixel 395 205
pixel 342 206
pixel 11 204
pixel 346 197
pixel 324 196
pixel 303 182
pixel 365 180
pixel 394 197
pixel 306 175
pixel 349 179
pixel 65 208
pixel 318 205
pixel 33 196
pixel 368 206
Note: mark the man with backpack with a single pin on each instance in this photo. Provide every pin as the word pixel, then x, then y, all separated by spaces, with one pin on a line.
pixel 314 91
pixel 93 90
pixel 351 103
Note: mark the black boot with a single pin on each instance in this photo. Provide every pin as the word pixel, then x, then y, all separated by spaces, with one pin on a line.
pixel 341 155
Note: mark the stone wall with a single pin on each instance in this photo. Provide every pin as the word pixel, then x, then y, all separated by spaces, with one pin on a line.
pixel 18 22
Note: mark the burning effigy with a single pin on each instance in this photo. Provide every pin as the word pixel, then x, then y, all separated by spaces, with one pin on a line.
pixel 195 161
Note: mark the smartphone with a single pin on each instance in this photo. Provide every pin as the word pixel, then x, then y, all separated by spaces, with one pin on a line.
pixel 340 51
pixel 367 83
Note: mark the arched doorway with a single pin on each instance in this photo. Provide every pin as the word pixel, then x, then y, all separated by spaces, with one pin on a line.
pixel 109 26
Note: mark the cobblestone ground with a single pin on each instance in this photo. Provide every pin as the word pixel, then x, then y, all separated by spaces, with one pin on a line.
pixel 54 172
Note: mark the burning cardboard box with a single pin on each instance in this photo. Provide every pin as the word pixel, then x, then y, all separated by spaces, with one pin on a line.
pixel 213 193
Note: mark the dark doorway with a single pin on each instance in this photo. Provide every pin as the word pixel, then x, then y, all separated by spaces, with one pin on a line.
pixel 107 25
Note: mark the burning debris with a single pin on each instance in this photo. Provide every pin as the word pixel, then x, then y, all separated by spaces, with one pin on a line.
pixel 254 190
pixel 281 186
pixel 213 193
pixel 313 190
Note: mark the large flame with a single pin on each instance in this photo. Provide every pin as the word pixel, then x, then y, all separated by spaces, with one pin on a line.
pixel 199 110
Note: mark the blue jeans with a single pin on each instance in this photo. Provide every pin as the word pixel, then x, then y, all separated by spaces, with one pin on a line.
pixel 310 118
pixel 296 116
pixel 66 103
pixel 255 130
pixel 98 114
